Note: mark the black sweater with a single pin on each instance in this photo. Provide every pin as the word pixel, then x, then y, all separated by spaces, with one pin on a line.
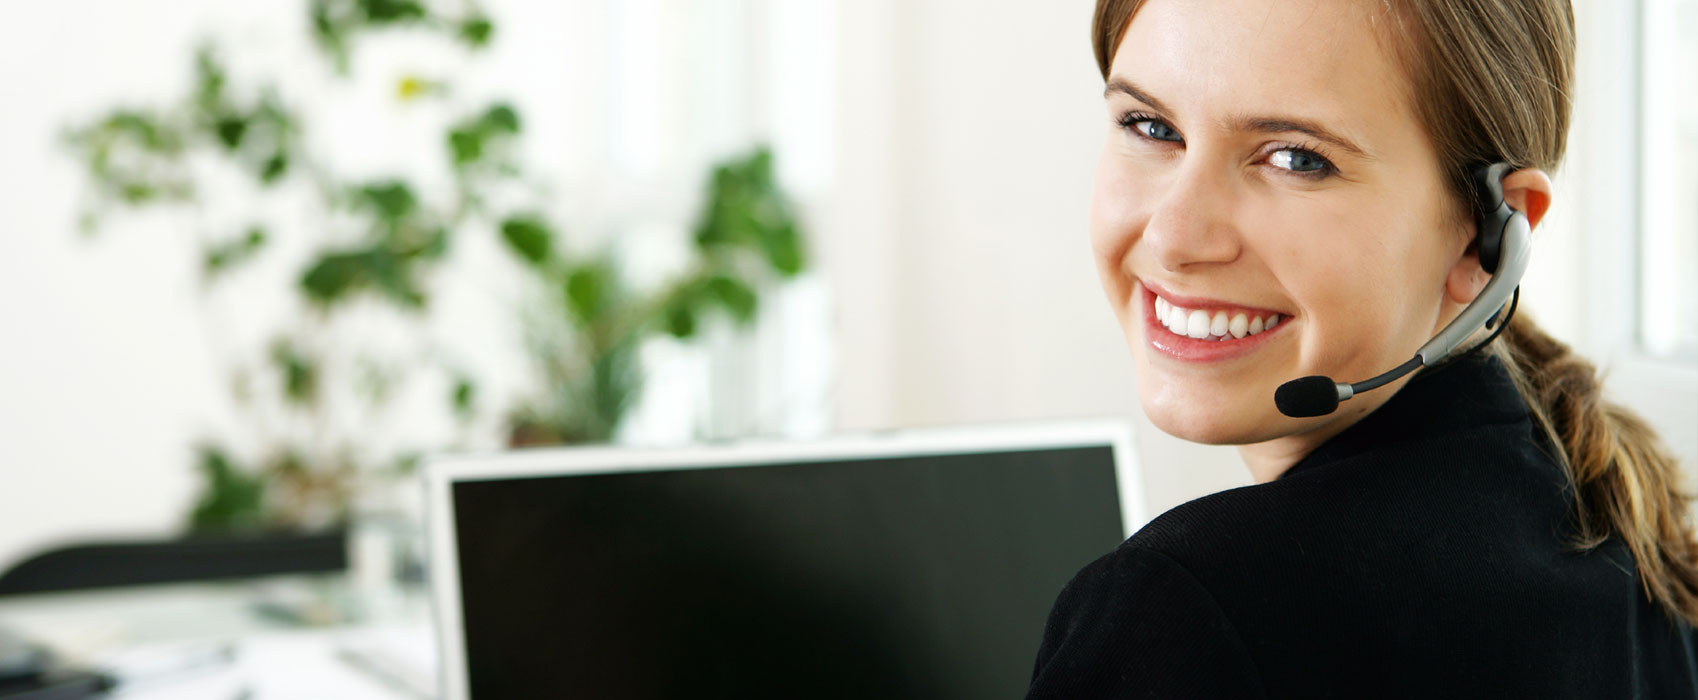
pixel 1421 553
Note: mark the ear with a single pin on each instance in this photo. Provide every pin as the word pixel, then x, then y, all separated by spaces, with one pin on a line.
pixel 1528 191
pixel 1466 277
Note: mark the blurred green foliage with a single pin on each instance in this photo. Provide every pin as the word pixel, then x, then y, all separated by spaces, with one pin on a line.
pixel 746 232
pixel 387 244
pixel 232 498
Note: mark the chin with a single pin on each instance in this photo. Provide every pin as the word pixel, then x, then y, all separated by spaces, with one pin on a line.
pixel 1206 429
pixel 1200 411
pixel 1229 420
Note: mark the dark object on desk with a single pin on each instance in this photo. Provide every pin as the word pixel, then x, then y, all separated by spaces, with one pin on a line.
pixel 20 661
pixel 915 575
pixel 29 672
pixel 68 685
pixel 199 558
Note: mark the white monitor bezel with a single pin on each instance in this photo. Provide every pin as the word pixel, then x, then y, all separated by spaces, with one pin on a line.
pixel 442 471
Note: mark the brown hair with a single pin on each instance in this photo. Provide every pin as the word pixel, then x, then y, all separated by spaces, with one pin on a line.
pixel 1495 75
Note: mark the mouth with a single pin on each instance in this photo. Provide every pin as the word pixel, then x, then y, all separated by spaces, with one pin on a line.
pixel 1201 330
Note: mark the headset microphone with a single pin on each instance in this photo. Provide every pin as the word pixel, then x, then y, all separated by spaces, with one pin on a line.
pixel 1504 243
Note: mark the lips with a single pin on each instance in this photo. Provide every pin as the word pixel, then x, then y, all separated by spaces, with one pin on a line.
pixel 1202 330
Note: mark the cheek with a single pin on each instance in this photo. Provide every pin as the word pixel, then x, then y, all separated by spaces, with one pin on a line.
pixel 1115 223
pixel 1370 299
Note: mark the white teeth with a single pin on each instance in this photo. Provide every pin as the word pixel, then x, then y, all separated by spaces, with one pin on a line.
pixel 1197 324
pixel 1202 326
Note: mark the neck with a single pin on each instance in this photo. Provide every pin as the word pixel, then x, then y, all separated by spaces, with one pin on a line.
pixel 1269 459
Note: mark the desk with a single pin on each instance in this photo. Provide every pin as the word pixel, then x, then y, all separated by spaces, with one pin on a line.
pixel 213 641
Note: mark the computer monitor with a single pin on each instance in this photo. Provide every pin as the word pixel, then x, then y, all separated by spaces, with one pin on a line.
pixel 911 564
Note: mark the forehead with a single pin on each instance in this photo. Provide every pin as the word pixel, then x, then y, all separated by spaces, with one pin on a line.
pixel 1324 60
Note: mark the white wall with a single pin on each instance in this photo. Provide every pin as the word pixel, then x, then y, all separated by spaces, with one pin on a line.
pixel 102 353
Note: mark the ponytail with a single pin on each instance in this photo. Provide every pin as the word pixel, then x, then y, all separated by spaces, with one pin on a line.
pixel 1625 482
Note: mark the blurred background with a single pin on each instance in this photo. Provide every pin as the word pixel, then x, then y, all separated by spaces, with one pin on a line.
pixel 257 257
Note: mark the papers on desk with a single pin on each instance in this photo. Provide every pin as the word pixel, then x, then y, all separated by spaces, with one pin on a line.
pixel 380 663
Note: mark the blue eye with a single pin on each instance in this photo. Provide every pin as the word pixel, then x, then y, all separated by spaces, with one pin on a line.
pixel 1299 160
pixel 1149 127
pixel 1156 130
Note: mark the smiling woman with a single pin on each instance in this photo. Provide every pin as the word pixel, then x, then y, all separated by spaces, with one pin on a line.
pixel 1222 188
pixel 1289 189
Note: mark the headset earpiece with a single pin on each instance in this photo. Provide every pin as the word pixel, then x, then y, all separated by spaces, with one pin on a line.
pixel 1491 215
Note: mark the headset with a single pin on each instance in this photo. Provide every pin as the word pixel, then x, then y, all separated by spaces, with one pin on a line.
pixel 1504 240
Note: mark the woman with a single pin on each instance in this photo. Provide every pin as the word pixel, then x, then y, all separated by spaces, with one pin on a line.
pixel 1285 191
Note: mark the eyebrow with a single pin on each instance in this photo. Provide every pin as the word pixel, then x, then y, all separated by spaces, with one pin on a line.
pixel 1122 85
pixel 1257 124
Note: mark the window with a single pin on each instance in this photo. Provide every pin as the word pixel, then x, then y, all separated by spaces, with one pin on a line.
pixel 1668 180
pixel 1615 274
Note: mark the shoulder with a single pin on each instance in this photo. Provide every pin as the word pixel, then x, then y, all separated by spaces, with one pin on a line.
pixel 1233 524
pixel 1165 613
pixel 1136 622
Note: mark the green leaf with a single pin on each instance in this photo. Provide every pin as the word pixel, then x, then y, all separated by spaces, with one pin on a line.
pixel 230 498
pixel 323 26
pixel 300 373
pixel 501 118
pixel 334 275
pixel 529 238
pixel 469 140
pixel 391 200
pixel 681 321
pixel 745 210
pixel 462 398
pixel 137 192
pixel 392 275
pixel 465 146
pixel 733 295
pixel 221 257
pixel 476 30
pixel 274 167
pixel 392 11
pixel 230 130
pixel 616 378
pixel 209 80
pixel 587 290
pixel 434 246
pixel 783 248
pixel 331 32
pixel 140 125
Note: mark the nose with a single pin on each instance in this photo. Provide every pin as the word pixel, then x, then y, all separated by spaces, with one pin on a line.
pixel 1192 223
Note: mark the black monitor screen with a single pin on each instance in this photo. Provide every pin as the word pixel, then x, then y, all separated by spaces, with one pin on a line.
pixel 895 577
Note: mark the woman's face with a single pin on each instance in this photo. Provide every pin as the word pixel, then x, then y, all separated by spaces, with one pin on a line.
pixel 1267 207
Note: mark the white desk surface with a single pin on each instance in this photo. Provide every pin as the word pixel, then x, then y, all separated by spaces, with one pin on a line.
pixel 233 651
